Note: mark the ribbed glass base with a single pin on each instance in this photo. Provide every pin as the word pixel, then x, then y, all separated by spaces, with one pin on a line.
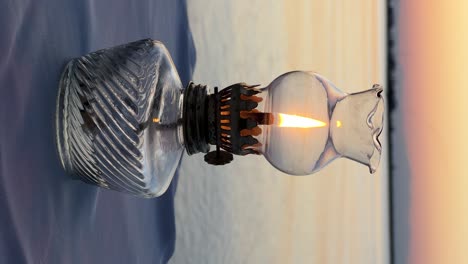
pixel 118 118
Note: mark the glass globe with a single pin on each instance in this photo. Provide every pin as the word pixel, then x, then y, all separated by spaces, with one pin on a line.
pixel 313 123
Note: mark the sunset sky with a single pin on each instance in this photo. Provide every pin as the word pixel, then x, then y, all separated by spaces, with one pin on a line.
pixel 433 56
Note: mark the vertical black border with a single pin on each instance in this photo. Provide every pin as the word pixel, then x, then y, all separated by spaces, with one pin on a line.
pixel 391 35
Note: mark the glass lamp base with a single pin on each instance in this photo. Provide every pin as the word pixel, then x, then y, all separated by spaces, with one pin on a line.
pixel 118 118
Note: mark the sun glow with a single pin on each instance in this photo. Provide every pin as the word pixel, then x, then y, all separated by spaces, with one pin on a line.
pixel 285 120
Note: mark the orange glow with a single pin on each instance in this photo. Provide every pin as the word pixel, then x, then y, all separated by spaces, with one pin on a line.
pixel 433 54
pixel 286 120
pixel 338 123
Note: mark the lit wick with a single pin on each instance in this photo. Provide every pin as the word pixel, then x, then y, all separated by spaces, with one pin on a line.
pixel 286 120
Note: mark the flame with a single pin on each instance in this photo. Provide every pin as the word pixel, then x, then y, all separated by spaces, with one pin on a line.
pixel 286 120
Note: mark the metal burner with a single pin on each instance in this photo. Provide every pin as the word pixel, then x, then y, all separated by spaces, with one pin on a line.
pixel 229 118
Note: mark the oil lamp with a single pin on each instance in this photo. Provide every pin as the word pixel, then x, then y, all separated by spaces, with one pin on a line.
pixel 123 120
